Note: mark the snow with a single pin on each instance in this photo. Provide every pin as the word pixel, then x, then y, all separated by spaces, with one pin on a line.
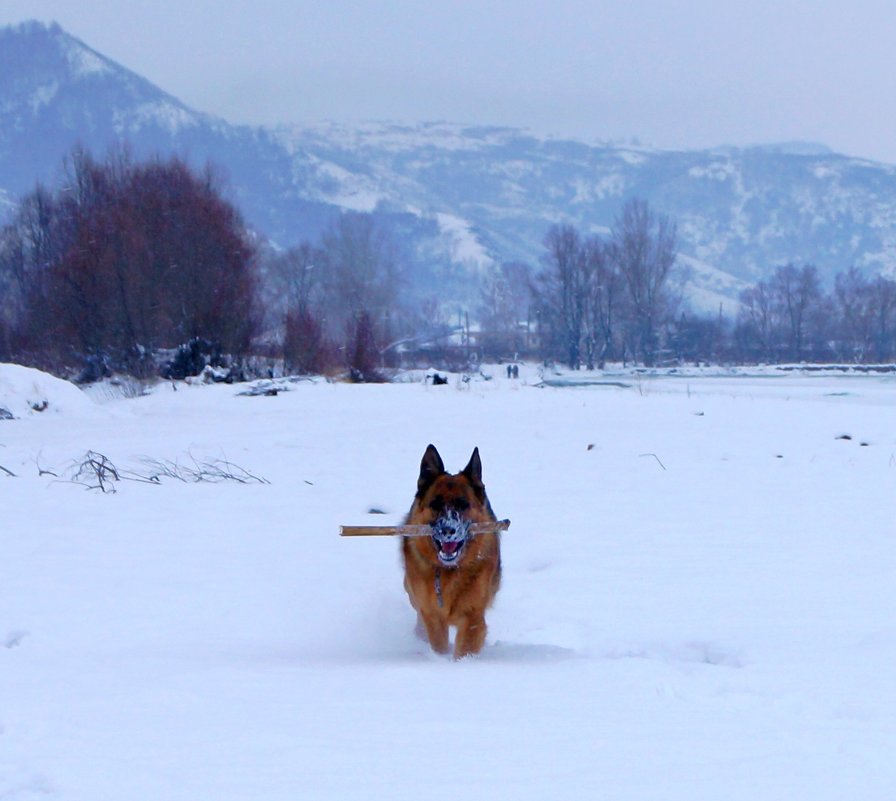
pixel 167 115
pixel 633 158
pixel 715 171
pixel 587 191
pixel 463 243
pixel 345 189
pixel 708 288
pixel 396 137
pixel 82 60
pixel 697 597
pixel 27 392
pixel 43 95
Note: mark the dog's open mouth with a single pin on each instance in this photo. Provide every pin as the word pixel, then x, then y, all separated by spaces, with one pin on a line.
pixel 449 550
pixel 449 535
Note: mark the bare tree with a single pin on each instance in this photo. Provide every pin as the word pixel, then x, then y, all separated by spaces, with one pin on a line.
pixel 643 247
pixel 293 277
pixel 361 281
pixel 866 316
pixel 561 291
pixel 759 324
pixel 883 311
pixel 504 309
pixel 601 311
pixel 798 293
pixel 854 301
pixel 28 246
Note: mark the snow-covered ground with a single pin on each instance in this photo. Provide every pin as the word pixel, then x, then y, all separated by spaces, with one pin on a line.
pixel 698 597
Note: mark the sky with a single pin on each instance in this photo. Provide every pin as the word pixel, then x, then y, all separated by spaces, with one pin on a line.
pixel 689 74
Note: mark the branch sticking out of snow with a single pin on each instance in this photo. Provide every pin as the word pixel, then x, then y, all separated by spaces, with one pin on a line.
pixel 214 471
pixel 96 471
pixel 655 457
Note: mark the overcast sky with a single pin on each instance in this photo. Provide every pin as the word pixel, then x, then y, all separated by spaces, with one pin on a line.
pixel 695 73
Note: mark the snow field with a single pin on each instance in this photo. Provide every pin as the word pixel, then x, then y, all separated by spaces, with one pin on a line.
pixel 698 606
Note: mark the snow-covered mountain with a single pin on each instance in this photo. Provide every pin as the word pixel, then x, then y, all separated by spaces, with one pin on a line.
pixel 459 194
pixel 56 92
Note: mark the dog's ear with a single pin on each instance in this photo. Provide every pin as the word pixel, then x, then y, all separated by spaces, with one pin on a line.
pixel 430 469
pixel 473 471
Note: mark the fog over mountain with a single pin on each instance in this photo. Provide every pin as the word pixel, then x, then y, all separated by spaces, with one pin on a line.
pixel 461 195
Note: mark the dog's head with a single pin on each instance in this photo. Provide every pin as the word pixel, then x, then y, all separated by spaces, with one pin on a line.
pixel 449 504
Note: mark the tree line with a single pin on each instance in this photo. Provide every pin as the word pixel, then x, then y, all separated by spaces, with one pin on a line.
pixel 621 297
pixel 123 263
pixel 790 317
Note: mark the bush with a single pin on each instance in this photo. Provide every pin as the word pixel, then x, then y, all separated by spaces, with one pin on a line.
pixel 192 358
pixel 304 348
pixel 364 355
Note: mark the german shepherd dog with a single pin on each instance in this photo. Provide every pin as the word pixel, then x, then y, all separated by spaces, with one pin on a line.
pixel 451 578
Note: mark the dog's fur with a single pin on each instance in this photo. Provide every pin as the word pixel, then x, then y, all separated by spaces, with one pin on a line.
pixel 467 586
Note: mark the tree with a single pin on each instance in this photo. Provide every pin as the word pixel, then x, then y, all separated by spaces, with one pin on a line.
pixel 696 337
pixel 759 325
pixel 798 295
pixel 853 301
pixel 28 245
pixel 361 281
pixel 293 279
pixel 504 308
pixel 600 315
pixel 883 310
pixel 643 248
pixel 560 291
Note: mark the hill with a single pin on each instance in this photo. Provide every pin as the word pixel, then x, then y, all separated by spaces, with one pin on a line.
pixel 458 194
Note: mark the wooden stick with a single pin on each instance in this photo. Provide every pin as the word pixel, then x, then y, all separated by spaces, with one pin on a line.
pixel 417 530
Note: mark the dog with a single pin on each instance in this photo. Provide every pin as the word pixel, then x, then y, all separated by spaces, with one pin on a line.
pixel 451 578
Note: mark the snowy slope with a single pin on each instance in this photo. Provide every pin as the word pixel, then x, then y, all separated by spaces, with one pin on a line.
pixel 25 391
pixel 696 607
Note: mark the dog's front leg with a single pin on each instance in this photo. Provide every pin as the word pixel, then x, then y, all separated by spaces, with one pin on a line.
pixel 436 631
pixel 471 631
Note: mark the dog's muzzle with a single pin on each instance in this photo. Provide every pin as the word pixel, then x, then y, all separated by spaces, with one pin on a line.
pixel 449 535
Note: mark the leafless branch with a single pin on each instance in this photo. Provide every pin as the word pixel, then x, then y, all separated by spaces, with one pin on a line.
pixel 96 471
pixel 41 471
pixel 214 471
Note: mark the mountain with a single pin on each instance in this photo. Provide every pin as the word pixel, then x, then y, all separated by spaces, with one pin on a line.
pixel 464 197
pixel 56 92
